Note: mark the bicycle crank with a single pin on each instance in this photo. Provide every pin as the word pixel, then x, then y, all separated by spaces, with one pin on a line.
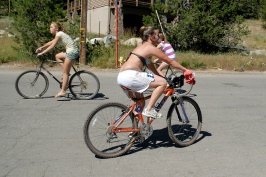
pixel 109 134
pixel 146 130
pixel 84 85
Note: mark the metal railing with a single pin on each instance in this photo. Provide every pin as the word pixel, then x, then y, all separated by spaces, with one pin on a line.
pixel 143 3
pixel 73 5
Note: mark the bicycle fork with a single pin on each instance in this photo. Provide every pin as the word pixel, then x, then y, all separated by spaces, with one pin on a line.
pixel 36 78
pixel 179 101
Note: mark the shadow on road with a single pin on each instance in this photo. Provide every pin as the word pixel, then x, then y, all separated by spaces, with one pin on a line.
pixel 69 97
pixel 158 139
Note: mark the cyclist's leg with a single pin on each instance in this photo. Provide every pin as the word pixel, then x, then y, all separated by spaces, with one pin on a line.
pixel 66 69
pixel 132 94
pixel 159 84
pixel 60 57
pixel 160 69
pixel 157 62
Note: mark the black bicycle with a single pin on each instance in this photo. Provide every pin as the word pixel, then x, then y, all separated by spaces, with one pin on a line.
pixel 34 83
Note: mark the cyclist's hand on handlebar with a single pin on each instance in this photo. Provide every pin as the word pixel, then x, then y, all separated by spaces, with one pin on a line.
pixel 39 54
pixel 190 77
pixel 38 50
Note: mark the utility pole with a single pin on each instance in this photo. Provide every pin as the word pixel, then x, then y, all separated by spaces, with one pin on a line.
pixel 9 10
pixel 83 32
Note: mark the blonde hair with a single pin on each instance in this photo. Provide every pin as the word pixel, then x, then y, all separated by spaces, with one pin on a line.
pixel 58 26
pixel 145 31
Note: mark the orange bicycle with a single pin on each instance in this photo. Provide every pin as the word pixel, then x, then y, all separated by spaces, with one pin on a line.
pixel 112 128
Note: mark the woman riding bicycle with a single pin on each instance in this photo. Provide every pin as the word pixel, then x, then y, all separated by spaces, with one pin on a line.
pixel 68 57
pixel 134 81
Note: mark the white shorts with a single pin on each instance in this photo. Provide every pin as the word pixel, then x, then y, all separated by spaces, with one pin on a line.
pixel 134 80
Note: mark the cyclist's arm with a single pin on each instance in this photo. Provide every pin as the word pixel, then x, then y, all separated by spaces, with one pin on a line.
pixel 50 45
pixel 159 46
pixel 44 46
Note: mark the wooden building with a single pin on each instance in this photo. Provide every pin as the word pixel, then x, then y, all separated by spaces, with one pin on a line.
pixel 101 14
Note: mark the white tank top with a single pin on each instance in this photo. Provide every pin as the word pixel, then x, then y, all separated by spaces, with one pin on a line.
pixel 67 42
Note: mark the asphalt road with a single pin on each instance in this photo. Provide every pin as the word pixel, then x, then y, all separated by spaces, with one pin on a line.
pixel 44 137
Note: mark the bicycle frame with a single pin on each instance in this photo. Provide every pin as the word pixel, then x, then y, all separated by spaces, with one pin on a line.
pixel 168 92
pixel 47 71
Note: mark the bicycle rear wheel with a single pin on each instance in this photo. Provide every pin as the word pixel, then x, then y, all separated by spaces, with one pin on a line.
pixel 98 134
pixel 84 85
pixel 184 121
pixel 32 84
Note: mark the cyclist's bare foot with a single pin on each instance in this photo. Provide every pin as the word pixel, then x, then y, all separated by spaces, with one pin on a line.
pixel 60 94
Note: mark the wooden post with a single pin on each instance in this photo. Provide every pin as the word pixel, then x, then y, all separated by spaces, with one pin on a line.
pixel 9 10
pixel 83 31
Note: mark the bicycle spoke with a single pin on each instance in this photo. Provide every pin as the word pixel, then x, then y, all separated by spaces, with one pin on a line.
pixel 184 122
pixel 99 135
pixel 84 85
pixel 31 85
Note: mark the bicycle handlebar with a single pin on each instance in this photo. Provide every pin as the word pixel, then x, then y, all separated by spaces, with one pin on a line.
pixel 177 82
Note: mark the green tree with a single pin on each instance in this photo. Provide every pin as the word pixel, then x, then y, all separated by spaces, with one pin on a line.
pixel 4 7
pixel 249 9
pixel 263 14
pixel 32 19
pixel 202 25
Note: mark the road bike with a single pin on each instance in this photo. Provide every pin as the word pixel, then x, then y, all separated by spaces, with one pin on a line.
pixel 34 83
pixel 112 128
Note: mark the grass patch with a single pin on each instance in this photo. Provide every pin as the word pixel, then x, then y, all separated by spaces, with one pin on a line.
pixel 105 57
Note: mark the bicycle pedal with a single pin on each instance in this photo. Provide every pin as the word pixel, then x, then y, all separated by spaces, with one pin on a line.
pixel 132 134
pixel 114 136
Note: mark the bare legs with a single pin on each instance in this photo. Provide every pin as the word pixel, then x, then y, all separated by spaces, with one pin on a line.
pixel 137 95
pixel 159 84
pixel 60 57
pixel 161 67
pixel 66 69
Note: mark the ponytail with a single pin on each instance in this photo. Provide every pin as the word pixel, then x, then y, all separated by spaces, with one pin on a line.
pixel 145 31
pixel 58 26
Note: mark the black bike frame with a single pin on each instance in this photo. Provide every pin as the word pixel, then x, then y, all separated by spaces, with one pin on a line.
pixel 42 67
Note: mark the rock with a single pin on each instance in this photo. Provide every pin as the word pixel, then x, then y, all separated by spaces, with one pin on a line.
pixel 133 41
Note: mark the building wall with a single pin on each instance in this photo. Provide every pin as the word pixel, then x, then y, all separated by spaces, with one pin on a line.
pixel 92 4
pixel 98 20
pixel 103 21
pixel 101 17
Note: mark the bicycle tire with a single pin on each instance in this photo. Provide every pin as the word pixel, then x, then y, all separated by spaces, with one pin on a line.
pixel 180 131
pixel 97 131
pixel 84 85
pixel 32 84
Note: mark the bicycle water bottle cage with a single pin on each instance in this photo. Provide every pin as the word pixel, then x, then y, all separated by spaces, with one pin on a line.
pixel 178 81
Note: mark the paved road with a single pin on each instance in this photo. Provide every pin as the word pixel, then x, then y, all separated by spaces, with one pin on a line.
pixel 44 138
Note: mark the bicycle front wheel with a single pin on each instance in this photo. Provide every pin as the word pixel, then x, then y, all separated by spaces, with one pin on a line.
pixel 84 85
pixel 184 121
pixel 32 84
pixel 98 131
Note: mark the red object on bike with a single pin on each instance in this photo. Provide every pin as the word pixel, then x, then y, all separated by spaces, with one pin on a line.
pixel 190 77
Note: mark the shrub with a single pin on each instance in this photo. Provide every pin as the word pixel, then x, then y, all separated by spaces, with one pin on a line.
pixel 204 25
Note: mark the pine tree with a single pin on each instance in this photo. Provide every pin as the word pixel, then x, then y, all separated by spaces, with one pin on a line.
pixel 32 19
